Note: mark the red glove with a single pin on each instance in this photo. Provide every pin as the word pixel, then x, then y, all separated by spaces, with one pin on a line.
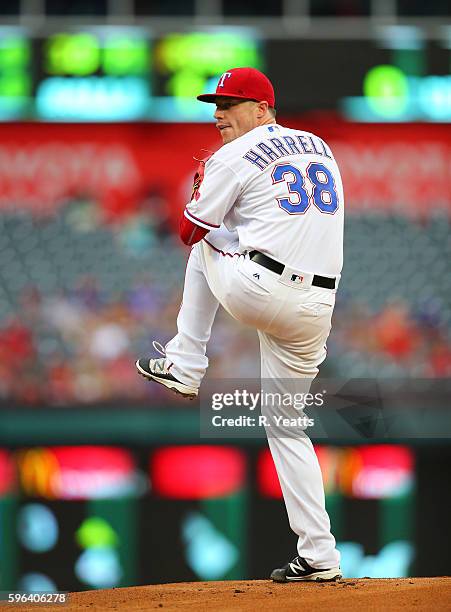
pixel 199 176
pixel 191 233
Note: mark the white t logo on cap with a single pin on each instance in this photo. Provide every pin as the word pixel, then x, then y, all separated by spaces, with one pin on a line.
pixel 223 78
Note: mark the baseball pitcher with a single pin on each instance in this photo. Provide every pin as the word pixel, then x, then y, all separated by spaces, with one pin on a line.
pixel 265 223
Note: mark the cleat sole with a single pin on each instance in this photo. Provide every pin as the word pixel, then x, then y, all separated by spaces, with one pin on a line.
pixel 327 576
pixel 166 383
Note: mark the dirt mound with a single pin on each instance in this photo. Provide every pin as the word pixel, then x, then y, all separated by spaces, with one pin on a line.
pixel 364 594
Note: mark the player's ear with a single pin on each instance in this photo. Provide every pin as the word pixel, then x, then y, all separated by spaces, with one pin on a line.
pixel 262 109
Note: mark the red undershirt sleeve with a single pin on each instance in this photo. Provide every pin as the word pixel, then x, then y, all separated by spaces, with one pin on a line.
pixel 190 233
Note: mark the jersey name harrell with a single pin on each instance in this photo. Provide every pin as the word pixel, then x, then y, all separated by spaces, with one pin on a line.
pixel 273 148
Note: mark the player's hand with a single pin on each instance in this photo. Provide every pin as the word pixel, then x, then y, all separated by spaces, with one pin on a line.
pixel 199 176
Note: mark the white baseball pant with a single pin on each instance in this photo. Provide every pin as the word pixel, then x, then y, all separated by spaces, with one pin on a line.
pixel 293 325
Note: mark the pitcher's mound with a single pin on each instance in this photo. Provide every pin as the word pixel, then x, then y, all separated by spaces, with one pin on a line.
pixel 263 596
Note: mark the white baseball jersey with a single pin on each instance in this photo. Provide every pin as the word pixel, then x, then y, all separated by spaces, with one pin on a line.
pixel 281 190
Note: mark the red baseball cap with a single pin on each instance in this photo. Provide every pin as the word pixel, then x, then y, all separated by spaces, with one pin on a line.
pixel 246 83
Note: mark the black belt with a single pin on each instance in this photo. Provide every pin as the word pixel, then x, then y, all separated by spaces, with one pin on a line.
pixel 278 268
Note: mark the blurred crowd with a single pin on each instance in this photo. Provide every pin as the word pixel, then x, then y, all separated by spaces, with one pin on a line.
pixel 75 347
pixel 77 343
pixel 101 342
pixel 397 341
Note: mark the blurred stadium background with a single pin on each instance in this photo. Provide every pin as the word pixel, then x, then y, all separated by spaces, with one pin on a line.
pixel 104 480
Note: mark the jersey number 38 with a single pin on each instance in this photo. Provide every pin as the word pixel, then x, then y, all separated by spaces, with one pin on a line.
pixel 323 196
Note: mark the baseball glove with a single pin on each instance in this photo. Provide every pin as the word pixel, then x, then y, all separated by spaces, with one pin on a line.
pixel 199 176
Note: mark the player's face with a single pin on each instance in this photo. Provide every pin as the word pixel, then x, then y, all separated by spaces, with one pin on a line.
pixel 234 117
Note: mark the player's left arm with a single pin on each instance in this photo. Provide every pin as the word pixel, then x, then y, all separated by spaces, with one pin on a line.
pixel 189 232
pixel 213 196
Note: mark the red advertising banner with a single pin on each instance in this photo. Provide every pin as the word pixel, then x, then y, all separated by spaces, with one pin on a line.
pixel 76 472
pixel 402 168
pixel 7 473
pixel 197 472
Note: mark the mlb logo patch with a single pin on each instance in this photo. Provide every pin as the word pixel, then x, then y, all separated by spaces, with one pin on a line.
pixel 295 278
